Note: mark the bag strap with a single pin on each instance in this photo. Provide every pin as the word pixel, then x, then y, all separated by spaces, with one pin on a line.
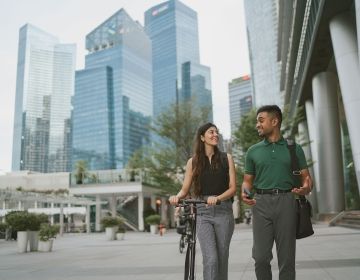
pixel 295 170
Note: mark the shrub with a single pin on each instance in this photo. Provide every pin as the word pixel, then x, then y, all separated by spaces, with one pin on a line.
pixel 110 221
pixel 48 231
pixel 121 229
pixel 153 219
pixel 18 220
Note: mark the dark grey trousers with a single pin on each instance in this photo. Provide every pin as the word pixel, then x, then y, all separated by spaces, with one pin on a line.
pixel 215 226
pixel 274 219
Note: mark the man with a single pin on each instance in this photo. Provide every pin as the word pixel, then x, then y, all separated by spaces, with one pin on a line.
pixel 269 176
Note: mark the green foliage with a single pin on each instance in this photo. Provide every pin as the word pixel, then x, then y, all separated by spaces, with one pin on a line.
pixel 18 220
pixel 110 221
pixel 48 232
pixel 34 222
pixel 81 171
pixel 22 220
pixel 3 227
pixel 153 219
pixel 246 135
pixel 121 229
pixel 166 163
pixel 148 211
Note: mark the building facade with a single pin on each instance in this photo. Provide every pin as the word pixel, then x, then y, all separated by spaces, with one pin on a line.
pixel 113 94
pixel 196 85
pixel 173 30
pixel 44 87
pixel 262 33
pixel 320 72
pixel 240 100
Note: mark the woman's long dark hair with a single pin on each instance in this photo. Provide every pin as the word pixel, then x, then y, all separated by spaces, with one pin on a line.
pixel 199 158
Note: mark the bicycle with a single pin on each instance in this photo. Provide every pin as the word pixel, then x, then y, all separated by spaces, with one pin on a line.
pixel 189 218
pixel 183 227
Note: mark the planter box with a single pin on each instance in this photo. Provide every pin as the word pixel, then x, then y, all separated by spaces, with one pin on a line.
pixel 110 232
pixel 46 246
pixel 154 229
pixel 22 241
pixel 120 236
pixel 33 240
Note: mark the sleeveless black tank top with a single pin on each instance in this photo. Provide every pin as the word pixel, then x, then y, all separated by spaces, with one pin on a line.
pixel 215 181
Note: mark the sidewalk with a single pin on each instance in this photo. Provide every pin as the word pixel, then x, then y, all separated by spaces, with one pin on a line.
pixel 333 253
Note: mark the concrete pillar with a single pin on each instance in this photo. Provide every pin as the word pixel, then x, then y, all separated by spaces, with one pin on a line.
pixel 61 219
pixel 141 211
pixel 303 138
pixel 19 205
pixel 153 202
pixel 331 177
pixel 357 13
pixel 35 204
pixel 345 45
pixel 87 218
pixel 98 214
pixel 52 215
pixel 164 217
pixel 4 205
pixel 112 203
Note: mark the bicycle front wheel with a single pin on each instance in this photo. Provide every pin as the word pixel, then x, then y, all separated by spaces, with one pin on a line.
pixel 182 244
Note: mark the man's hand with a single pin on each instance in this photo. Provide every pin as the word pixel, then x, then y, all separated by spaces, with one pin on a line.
pixel 247 200
pixel 305 189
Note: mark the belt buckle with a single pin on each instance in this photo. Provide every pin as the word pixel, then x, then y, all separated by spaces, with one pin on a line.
pixel 276 191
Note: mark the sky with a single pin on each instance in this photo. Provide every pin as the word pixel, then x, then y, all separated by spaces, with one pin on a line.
pixel 222 36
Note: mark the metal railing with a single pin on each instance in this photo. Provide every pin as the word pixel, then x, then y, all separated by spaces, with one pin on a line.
pixel 113 176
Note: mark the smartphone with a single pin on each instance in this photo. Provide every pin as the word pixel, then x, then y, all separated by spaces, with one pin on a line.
pixel 249 195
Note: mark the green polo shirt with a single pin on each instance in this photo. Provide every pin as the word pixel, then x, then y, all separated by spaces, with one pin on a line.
pixel 271 165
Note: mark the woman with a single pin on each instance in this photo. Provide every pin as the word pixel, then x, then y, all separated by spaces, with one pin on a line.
pixel 210 174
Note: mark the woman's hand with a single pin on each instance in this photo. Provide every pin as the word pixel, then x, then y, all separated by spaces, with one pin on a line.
pixel 212 200
pixel 174 200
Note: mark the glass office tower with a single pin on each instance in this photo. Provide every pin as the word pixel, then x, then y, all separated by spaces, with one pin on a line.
pixel 262 34
pixel 113 94
pixel 173 30
pixel 44 87
pixel 196 85
pixel 240 100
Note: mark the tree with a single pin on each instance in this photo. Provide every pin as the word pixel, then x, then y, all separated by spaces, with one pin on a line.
pixel 166 161
pixel 81 171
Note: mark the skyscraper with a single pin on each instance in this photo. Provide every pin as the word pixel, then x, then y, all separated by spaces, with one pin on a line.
pixel 44 86
pixel 113 94
pixel 196 85
pixel 262 34
pixel 173 30
pixel 240 100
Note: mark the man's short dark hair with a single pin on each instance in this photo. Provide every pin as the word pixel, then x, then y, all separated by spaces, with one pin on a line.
pixel 272 109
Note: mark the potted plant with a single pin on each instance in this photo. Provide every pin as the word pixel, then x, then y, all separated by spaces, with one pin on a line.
pixel 81 171
pixel 153 221
pixel 3 228
pixel 33 230
pixel 120 234
pixel 47 234
pixel 111 225
pixel 18 221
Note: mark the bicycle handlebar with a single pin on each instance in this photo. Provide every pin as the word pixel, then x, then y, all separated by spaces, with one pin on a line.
pixel 195 201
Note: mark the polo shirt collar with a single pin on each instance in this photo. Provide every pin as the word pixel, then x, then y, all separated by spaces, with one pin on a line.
pixel 281 141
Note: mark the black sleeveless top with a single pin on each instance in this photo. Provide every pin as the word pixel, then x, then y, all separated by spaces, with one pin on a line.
pixel 215 181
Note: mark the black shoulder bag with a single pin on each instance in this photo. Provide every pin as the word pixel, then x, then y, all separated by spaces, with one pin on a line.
pixel 304 210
